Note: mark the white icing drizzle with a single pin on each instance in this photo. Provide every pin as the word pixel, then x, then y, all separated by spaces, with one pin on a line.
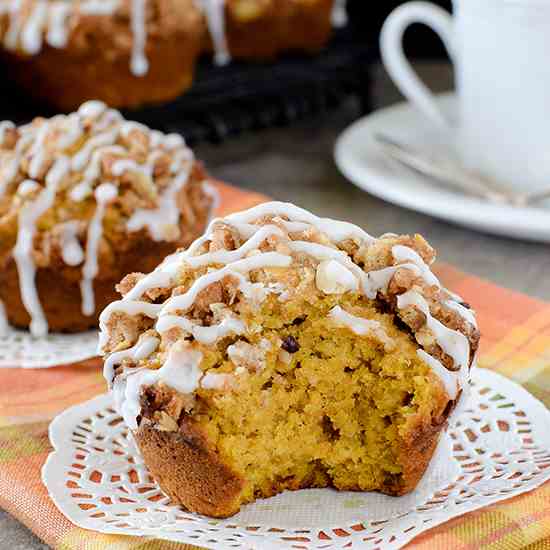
pixel 336 230
pixel 452 342
pixel 42 145
pixel 236 270
pixel 161 221
pixel 104 194
pixel 127 165
pixel 23 251
pixel 92 109
pixel 180 371
pixel 129 126
pixel 27 187
pixel 339 15
pixel 144 347
pixel 372 282
pixel 99 7
pixel 333 278
pixel 15 24
pixel 156 138
pixel 360 326
pixel 81 191
pixel 379 280
pixel 10 170
pixel 228 256
pixel 7 174
pixel 162 278
pixel 465 313
pixel 404 254
pixel 93 170
pixel 214 11
pixel 127 391
pixel 71 251
pixel 73 131
pixel 129 308
pixel 31 35
pixel 5 125
pixel 82 158
pixel 448 378
pixel 172 141
pixel 138 63
pixel 158 279
pixel 204 335
pixel 37 151
pixel 58 34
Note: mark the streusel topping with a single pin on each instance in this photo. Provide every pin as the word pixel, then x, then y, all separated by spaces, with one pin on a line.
pixel 195 300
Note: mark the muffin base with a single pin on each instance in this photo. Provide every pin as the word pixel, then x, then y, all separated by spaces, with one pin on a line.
pixel 193 475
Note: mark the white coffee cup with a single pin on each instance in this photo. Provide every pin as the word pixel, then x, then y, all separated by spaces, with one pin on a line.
pixel 501 53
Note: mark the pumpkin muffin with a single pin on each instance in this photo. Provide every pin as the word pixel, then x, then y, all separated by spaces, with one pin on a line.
pixel 85 199
pixel 130 52
pixel 285 351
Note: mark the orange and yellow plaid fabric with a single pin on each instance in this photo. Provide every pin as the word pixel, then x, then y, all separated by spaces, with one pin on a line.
pixel 516 343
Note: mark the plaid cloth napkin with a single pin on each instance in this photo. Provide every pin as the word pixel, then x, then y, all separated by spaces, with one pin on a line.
pixel 516 343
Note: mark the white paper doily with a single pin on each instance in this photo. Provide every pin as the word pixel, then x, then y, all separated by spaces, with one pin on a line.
pixel 18 348
pixel 499 448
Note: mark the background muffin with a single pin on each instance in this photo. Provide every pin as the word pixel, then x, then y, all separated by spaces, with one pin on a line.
pixel 131 52
pixel 285 351
pixel 262 29
pixel 125 53
pixel 84 199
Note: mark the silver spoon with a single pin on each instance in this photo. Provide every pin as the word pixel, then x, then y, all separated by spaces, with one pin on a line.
pixel 454 176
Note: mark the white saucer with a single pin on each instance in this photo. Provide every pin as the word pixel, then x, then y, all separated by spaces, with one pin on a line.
pixel 359 158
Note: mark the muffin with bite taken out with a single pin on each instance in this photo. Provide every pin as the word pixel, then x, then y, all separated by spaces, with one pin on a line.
pixel 286 351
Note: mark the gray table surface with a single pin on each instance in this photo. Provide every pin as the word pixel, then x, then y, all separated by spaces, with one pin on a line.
pixel 296 165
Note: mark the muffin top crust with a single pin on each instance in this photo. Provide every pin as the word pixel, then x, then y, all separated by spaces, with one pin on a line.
pixel 168 320
pixel 80 186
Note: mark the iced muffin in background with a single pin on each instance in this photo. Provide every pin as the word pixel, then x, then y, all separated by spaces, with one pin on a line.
pixel 84 199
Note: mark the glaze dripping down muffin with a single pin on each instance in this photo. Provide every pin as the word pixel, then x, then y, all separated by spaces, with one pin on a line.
pixel 84 199
pixel 285 351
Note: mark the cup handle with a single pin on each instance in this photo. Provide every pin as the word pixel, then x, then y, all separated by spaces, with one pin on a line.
pixel 398 66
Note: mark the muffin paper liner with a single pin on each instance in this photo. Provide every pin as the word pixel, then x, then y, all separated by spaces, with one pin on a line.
pixel 498 448
pixel 19 349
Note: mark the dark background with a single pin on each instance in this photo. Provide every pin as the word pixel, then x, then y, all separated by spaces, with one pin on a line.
pixel 424 44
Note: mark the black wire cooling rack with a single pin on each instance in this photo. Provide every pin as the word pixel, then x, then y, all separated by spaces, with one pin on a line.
pixel 226 101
